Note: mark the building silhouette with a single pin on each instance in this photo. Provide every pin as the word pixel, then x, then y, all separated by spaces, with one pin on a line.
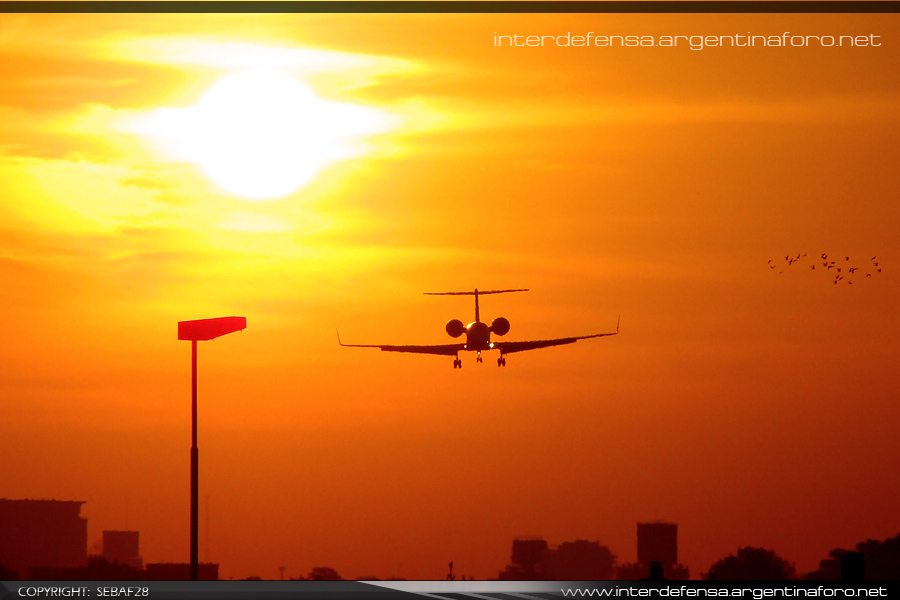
pixel 48 534
pixel 570 561
pixel 123 547
pixel 528 560
pixel 657 542
pixel 657 547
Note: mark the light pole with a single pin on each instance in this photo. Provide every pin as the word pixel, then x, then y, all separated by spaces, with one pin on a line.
pixel 197 331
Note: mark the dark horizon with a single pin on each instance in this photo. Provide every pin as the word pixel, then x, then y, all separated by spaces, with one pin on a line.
pixel 47 540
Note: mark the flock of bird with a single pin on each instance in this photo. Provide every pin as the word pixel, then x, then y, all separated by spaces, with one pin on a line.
pixel 840 268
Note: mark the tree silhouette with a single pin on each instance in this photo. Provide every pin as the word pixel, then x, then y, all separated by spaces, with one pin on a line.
pixel 582 560
pixel 882 561
pixel 324 574
pixel 829 568
pixel 752 564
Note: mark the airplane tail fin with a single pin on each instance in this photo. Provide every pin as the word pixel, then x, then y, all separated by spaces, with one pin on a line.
pixel 475 293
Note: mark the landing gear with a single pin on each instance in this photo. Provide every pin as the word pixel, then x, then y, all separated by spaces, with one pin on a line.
pixel 501 362
pixel 457 363
pixel 478 358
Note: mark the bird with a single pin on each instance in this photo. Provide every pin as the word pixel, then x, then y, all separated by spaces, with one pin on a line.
pixel 868 274
pixel 846 258
pixel 812 266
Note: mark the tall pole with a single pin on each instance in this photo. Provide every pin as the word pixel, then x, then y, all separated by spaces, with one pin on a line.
pixel 200 330
pixel 194 463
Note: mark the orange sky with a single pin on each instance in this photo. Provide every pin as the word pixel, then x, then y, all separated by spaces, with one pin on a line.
pixel 751 408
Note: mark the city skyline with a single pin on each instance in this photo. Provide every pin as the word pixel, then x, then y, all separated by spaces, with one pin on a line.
pixel 322 171
pixel 47 540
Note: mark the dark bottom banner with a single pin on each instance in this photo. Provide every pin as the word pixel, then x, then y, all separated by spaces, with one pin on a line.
pixel 445 590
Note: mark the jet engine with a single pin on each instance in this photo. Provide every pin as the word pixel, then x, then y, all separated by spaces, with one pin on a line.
pixel 455 328
pixel 500 326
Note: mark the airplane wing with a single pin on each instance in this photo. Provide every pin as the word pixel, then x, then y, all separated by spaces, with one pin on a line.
pixel 510 347
pixel 442 349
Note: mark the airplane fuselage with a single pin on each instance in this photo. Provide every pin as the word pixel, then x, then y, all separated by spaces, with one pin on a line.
pixel 478 336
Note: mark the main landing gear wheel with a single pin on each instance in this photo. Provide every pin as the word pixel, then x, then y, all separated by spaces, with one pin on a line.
pixel 478 358
pixel 501 362
pixel 457 363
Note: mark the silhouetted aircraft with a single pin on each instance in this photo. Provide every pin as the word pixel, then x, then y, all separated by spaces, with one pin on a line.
pixel 478 336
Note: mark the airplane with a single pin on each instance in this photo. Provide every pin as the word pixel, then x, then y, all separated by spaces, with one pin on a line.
pixel 478 335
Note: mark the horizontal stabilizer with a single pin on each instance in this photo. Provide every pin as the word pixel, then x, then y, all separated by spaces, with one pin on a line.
pixel 475 293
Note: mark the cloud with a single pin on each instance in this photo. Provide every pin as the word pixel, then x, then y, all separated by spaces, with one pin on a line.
pixel 225 53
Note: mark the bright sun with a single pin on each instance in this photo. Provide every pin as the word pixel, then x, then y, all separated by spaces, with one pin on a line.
pixel 263 134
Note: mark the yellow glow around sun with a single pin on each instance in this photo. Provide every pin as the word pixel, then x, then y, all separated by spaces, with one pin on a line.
pixel 263 134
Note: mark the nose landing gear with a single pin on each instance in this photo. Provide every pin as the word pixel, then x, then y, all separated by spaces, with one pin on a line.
pixel 478 358
pixel 457 363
